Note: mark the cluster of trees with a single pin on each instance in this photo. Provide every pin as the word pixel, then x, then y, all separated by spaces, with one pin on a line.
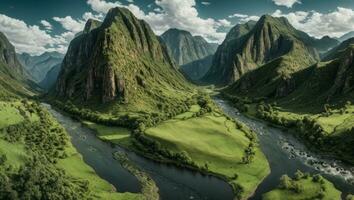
pixel 250 151
pixel 268 113
pixel 152 147
pixel 43 137
pixel 287 183
pixel 38 177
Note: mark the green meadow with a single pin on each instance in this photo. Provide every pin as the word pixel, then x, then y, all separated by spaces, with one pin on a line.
pixel 214 141
pixel 306 188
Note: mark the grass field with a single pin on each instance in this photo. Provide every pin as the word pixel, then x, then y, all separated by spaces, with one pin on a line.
pixel 9 115
pixel 214 141
pixel 311 190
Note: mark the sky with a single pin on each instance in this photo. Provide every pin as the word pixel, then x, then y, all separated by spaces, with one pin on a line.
pixel 38 26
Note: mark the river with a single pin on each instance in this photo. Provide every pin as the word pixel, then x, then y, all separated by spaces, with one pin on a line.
pixel 173 183
pixel 286 155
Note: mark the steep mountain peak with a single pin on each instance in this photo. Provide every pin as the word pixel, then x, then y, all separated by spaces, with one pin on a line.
pixel 185 48
pixel 13 80
pixel 122 64
pixel 91 24
pixel 175 31
pixel 250 46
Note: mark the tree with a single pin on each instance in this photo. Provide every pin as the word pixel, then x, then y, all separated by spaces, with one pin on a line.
pixel 285 182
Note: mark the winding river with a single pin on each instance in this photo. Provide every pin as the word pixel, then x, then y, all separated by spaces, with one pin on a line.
pixel 173 183
pixel 284 153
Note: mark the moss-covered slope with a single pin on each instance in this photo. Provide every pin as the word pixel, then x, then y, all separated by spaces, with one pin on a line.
pixel 121 64
pixel 13 81
pixel 249 46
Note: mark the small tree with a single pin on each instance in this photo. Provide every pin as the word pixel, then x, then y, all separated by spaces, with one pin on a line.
pixel 285 182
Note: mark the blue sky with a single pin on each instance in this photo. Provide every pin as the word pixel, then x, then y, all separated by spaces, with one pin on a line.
pixel 36 26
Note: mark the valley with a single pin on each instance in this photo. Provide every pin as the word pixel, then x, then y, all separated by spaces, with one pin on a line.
pixel 126 109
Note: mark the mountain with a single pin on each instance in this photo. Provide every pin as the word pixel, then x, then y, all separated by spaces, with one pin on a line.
pixel 122 65
pixel 346 36
pixel 249 46
pixel 197 69
pixel 325 44
pixel 38 66
pixel 185 48
pixel 50 78
pixel 13 79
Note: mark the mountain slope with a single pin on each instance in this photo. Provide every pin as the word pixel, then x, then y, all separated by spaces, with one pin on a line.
pixel 185 48
pixel 38 66
pixel 346 36
pixel 249 46
pixel 122 65
pixel 13 81
pixel 51 77
pixel 197 69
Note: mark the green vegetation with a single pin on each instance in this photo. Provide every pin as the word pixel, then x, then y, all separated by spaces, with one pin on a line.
pixel 37 160
pixel 215 144
pixel 302 187
pixel 149 189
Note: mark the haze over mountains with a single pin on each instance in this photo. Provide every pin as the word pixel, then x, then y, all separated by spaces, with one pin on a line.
pixel 38 66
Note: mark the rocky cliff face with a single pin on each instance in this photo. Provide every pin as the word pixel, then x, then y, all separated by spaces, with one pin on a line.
pixel 249 46
pixel 13 79
pixel 120 61
pixel 185 48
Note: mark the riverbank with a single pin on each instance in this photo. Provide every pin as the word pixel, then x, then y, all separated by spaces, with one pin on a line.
pixel 149 189
pixel 173 183
pixel 212 142
pixel 273 142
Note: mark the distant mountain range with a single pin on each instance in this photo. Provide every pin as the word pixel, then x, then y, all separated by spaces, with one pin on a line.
pixel 346 36
pixel 39 66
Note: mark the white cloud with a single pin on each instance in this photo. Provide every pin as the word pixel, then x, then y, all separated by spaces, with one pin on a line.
pixel 71 24
pixel 224 23
pixel 130 1
pixel 287 3
pixel 205 3
pixel 334 24
pixel 244 18
pixel 180 14
pixel 46 25
pixel 29 39
pixel 102 6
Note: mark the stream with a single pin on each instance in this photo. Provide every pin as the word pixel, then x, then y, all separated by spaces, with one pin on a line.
pixel 286 155
pixel 174 183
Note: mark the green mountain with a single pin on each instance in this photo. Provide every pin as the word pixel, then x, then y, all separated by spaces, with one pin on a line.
pixel 271 41
pixel 329 81
pixel 39 66
pixel 346 36
pixel 50 78
pixel 185 48
pixel 120 65
pixel 197 69
pixel 13 78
